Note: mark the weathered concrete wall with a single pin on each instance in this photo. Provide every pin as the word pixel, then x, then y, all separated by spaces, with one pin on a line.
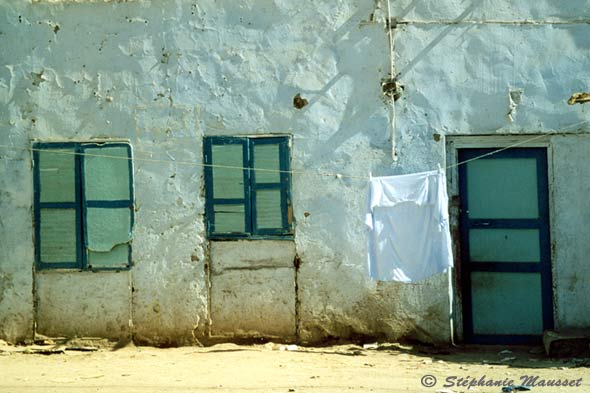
pixel 491 10
pixel 70 74
pixel 477 68
pixel 253 288
pixel 460 78
pixel 169 276
pixel 164 73
pixel 572 241
pixel 100 307
pixel 16 253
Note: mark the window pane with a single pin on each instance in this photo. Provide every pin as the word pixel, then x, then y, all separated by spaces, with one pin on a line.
pixel 267 156
pixel 107 228
pixel 229 218
pixel 57 175
pixel 117 257
pixel 268 209
pixel 504 245
pixel 228 182
pixel 516 178
pixel 57 235
pixel 107 178
pixel 506 303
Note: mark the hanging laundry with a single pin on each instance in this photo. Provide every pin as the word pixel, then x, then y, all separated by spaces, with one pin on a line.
pixel 409 238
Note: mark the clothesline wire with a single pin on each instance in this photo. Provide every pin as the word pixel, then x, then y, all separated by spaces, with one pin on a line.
pixel 172 161
pixel 293 172
pixel 496 151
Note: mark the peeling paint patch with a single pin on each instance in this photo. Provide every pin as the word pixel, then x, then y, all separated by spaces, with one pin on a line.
pixel 391 88
pixel 514 99
pixel 579 98
pixel 5 284
pixel 37 78
pixel 299 102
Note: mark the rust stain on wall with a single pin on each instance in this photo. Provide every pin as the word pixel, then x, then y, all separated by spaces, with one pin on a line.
pixel 299 102
pixel 579 98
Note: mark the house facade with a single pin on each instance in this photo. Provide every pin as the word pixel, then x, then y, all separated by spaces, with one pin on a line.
pixel 181 171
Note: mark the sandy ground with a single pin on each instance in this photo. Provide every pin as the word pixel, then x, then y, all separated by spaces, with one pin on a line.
pixel 276 368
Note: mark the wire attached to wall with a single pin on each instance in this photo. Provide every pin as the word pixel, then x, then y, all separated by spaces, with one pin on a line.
pixel 497 151
pixel 292 172
pixel 392 76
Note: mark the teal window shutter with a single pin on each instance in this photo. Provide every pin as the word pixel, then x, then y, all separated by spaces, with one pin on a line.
pixel 107 205
pixel 57 206
pixel 247 183
pixel 270 185
pixel 83 205
pixel 227 186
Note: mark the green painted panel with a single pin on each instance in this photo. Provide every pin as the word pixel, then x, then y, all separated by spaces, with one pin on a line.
pixel 502 188
pixel 117 257
pixel 229 218
pixel 504 245
pixel 57 175
pixel 268 209
pixel 107 178
pixel 228 182
pixel 58 235
pixel 267 156
pixel 506 303
pixel 107 228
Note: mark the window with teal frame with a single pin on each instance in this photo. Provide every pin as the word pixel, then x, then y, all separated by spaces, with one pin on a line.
pixel 83 205
pixel 248 187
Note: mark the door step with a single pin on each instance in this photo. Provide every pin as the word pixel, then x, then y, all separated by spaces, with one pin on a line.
pixel 567 343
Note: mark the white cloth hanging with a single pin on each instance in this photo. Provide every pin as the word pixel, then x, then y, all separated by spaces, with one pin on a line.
pixel 409 237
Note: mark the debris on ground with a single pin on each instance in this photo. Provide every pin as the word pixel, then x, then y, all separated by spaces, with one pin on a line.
pixel 81 348
pixel 40 339
pixel 575 362
pixel 43 345
pixel 291 347
pixel 43 350
pixel 371 346
pixel 262 367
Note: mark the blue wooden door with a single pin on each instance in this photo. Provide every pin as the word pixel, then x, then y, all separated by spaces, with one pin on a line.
pixel 505 246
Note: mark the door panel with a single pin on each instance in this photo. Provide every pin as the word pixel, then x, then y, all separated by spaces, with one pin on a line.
pixel 506 303
pixel 504 245
pixel 505 248
pixel 503 188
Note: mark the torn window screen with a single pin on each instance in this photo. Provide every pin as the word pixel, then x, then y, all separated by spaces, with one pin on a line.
pixel 83 205
pixel 107 228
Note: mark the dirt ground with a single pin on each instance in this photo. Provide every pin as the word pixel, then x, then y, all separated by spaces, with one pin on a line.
pixel 281 368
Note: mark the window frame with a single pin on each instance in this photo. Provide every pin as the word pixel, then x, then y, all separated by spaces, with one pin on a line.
pixel 286 231
pixel 80 204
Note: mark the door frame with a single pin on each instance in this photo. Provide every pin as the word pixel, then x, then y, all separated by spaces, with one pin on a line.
pixel 453 144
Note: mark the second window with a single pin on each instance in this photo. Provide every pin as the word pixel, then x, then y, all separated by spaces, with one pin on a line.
pixel 248 187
